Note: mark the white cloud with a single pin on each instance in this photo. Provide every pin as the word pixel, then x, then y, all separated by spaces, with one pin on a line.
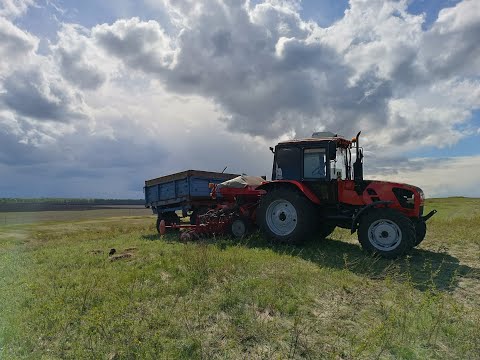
pixel 37 105
pixel 80 62
pixel 16 46
pixel 14 8
pixel 139 44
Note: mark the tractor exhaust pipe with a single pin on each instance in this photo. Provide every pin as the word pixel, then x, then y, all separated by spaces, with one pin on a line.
pixel 358 165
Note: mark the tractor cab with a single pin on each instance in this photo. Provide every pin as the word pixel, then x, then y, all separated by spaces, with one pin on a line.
pixel 318 162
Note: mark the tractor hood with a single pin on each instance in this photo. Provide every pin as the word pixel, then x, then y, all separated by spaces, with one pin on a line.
pixel 391 184
pixel 408 196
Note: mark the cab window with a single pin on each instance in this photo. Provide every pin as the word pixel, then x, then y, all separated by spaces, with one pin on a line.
pixel 287 164
pixel 314 164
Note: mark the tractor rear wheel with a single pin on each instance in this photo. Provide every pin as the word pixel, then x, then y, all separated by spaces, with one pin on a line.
pixel 420 231
pixel 386 232
pixel 286 216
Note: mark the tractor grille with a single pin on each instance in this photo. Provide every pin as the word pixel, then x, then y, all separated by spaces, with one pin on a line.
pixel 405 197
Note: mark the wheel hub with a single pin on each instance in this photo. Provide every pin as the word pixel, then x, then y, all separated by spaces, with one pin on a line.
pixel 384 235
pixel 238 228
pixel 281 217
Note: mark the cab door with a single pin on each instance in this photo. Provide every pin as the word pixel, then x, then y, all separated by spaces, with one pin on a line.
pixel 316 173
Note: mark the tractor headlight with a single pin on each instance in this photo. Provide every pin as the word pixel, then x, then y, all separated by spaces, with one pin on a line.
pixel 410 200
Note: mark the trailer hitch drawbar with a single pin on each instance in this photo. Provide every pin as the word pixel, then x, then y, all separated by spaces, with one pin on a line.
pixel 429 215
pixel 162 228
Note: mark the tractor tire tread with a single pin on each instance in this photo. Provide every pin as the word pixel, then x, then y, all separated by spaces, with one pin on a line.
pixel 420 232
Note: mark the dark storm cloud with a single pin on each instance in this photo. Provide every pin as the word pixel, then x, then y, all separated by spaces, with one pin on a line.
pixel 264 89
pixel 15 153
pixel 78 72
pixel 31 93
pixel 141 45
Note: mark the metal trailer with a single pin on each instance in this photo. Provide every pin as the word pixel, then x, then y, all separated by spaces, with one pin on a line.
pixel 186 191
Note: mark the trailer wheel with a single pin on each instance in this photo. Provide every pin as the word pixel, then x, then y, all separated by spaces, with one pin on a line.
pixel 170 218
pixel 196 212
pixel 286 216
pixel 239 227
pixel 420 231
pixel 386 232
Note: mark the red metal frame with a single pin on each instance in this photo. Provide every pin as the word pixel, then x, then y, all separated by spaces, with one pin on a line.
pixel 301 186
pixel 233 203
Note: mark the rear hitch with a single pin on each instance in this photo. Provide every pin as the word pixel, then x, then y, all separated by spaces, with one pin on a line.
pixel 429 215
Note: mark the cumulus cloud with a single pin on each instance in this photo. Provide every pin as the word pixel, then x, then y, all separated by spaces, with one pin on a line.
pixel 451 48
pixel 142 45
pixel 37 105
pixel 271 73
pixel 16 46
pixel 78 60
pixel 37 95
pixel 14 8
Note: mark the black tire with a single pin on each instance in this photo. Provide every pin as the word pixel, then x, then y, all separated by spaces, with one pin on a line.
pixel 240 227
pixel 394 225
pixel 196 212
pixel 420 232
pixel 170 218
pixel 303 224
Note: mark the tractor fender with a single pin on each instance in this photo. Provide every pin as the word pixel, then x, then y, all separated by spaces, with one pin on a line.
pixel 364 209
pixel 299 185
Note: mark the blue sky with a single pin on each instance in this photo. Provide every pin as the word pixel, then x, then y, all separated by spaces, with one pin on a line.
pixel 95 97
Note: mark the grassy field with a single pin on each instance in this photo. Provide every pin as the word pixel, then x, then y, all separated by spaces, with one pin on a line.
pixel 29 217
pixel 62 297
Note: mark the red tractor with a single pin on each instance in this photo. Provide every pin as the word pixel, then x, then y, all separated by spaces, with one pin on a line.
pixel 315 188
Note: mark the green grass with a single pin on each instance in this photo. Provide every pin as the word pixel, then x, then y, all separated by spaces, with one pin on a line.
pixel 63 298
pixel 12 218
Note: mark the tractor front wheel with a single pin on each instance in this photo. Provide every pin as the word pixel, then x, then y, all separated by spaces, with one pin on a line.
pixel 386 232
pixel 420 231
pixel 286 216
